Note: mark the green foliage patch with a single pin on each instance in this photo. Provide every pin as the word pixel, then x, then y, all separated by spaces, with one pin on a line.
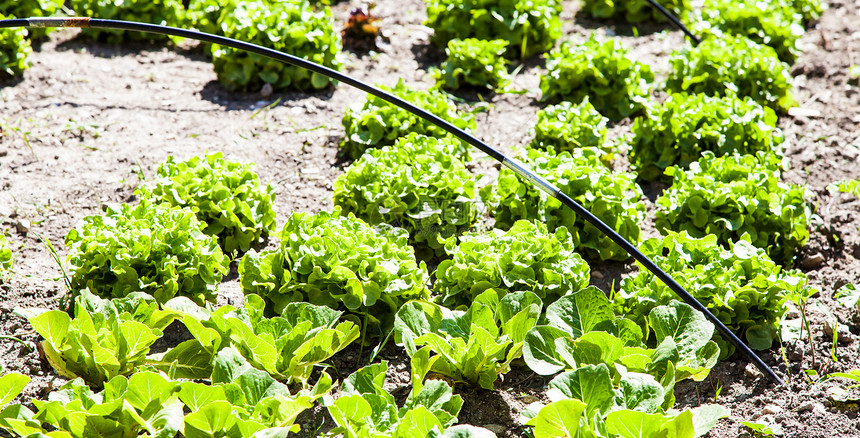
pixel 291 26
pixel 14 50
pixel 6 259
pixel 419 184
pixel 736 195
pixel 473 346
pixel 474 62
pixel 225 195
pixel 529 26
pixel 687 125
pixel 729 64
pixel 379 123
pixel 774 23
pixel 740 285
pixel 633 11
pixel 612 197
pixel 525 258
pixel 31 8
pixel 568 126
pixel 165 12
pixel 338 261
pixel 604 72
pixel 150 248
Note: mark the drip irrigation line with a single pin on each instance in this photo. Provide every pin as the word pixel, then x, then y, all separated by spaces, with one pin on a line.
pixel 675 21
pixel 511 163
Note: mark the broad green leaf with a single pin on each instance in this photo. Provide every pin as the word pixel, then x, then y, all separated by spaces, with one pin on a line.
pixel 539 350
pixel 467 431
pixel 635 424
pixel 560 419
pixel 188 360
pixel 11 385
pixel 641 392
pixel 53 326
pixel 147 387
pixel 580 312
pixel 688 327
pixel 197 395
pixel 417 423
pixel 590 384
pixel 705 417
pixel 597 348
pixel 211 420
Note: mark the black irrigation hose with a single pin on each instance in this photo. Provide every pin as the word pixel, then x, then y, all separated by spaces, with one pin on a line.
pixel 514 165
pixel 675 21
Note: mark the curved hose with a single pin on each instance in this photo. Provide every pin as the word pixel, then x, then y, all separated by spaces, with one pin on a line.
pixel 514 165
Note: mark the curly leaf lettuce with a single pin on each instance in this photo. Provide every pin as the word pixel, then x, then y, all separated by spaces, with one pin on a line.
pixel 688 124
pixel 151 248
pixel 165 12
pixel 379 123
pixel 14 50
pixel 723 65
pixel 736 195
pixel 604 72
pixel 633 11
pixel 612 197
pixel 525 258
pixel 338 261
pixel 565 127
pixel 225 195
pixel 419 184
pixel 475 63
pixel 31 8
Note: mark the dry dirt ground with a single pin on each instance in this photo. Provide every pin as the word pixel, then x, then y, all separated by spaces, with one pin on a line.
pixel 89 121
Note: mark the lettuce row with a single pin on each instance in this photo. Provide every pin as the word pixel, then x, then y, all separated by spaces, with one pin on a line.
pixel 771 23
pixel 472 346
pixel 688 124
pixel 525 258
pixel 165 12
pixel 419 184
pixel 529 26
pixel 612 197
pixel 287 347
pixel 740 285
pixel 568 126
pixel 633 11
pixel 106 338
pixel 728 64
pixel 31 8
pixel 474 62
pixel 6 259
pixel 379 123
pixel 603 72
pixel 241 401
pixel 736 195
pixel 366 409
pixel 225 195
pixel 14 50
pixel 150 248
pixel 341 262
pixel 291 26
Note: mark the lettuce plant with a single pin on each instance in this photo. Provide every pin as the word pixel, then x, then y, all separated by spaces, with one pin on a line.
pixel 474 62
pixel 225 195
pixel 419 184
pixel 688 124
pixel 379 123
pixel 338 261
pixel 168 12
pixel 106 338
pixel 808 9
pixel 736 195
pixel 6 259
pixel 291 26
pixel 728 64
pixel 612 197
pixel 31 8
pixel 205 15
pixel 153 248
pixel 287 347
pixel 740 285
pixel 529 26
pixel 565 127
pixel 472 346
pixel 14 50
pixel 632 11
pixel 366 409
pixel 603 72
pixel 525 258
pixel 775 24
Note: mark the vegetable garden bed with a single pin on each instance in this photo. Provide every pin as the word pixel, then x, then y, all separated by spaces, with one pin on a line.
pixel 91 121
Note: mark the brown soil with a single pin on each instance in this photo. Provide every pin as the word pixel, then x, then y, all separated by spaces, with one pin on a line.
pixel 89 121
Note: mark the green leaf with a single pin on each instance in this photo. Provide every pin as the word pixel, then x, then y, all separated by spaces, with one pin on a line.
pixel 560 419
pixel 198 395
pixel 580 312
pixel 188 360
pixel 705 417
pixel 848 295
pixel 590 384
pixel 211 420
pixel 635 424
pixel 641 392
pixel 11 385
pixel 540 350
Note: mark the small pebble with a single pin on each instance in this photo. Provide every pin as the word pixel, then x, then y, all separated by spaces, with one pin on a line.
pixel 813 261
pixel 597 274
pixel 808 406
pixel 771 410
pixel 267 90
pixel 527 398
pixel 818 409
pixel 752 372
pixel 497 429
pixel 23 226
